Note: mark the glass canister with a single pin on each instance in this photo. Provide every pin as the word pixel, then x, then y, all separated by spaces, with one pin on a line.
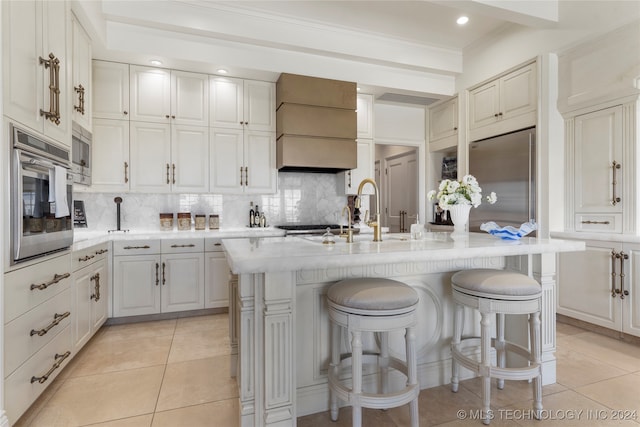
pixel 184 221
pixel 201 222
pixel 166 221
pixel 214 222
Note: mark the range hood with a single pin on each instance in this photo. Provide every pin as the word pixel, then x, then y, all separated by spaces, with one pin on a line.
pixel 316 124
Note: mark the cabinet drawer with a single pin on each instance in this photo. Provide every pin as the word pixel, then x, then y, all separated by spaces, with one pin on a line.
pixel 20 344
pixel 611 223
pixel 22 391
pixel 213 244
pixel 31 286
pixel 84 257
pixel 179 246
pixel 136 247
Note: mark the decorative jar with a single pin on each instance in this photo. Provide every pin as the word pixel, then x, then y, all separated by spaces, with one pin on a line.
pixel 201 222
pixel 166 221
pixel 214 222
pixel 184 221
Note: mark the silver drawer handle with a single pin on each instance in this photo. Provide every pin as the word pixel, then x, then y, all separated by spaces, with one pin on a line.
pixel 56 278
pixel 137 247
pixel 59 359
pixel 86 258
pixel 190 245
pixel 57 318
pixel 596 222
pixel 102 251
pixel 217 244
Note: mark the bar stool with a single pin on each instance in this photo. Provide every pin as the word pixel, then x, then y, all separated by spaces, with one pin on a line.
pixel 500 292
pixel 380 306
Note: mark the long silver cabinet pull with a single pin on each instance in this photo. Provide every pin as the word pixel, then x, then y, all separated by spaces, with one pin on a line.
pixel 96 292
pixel 241 171
pixel 86 258
pixel 614 256
pixel 595 222
pixel 137 247
pixel 56 278
pixel 59 359
pixel 615 166
pixel 190 245
pixel 623 293
pixel 163 278
pixel 157 277
pixel 168 181
pixel 126 172
pixel 80 91
pixel 246 175
pixel 57 318
pixel 174 173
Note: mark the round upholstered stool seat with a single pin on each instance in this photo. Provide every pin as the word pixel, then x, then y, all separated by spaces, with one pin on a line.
pixel 496 292
pixel 380 306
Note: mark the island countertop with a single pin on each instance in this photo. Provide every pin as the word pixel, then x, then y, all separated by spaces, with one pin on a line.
pixel 273 254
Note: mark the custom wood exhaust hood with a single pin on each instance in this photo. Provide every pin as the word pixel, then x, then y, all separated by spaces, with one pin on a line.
pixel 315 124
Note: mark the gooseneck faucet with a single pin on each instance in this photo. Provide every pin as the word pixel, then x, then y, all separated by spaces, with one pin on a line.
pixel 377 229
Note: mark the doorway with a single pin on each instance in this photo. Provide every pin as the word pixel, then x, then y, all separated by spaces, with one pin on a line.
pixel 397 178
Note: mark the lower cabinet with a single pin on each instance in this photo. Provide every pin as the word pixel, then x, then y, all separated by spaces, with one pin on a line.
pixel 90 294
pixel 38 314
pixel 601 285
pixel 157 276
pixel 217 275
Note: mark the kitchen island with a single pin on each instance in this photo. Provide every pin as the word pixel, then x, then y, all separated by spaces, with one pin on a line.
pixel 280 324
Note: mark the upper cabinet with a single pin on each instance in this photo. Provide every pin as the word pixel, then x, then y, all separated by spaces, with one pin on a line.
pixel 364 112
pixel 168 96
pixel 81 74
pixel 35 66
pixel 110 90
pixel 242 104
pixel 443 124
pixel 504 104
pixel 600 70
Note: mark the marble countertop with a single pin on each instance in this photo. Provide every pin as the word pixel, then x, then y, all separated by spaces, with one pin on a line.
pixel 259 255
pixel 84 239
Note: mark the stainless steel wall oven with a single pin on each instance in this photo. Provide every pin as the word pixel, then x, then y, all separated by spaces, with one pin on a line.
pixel 41 220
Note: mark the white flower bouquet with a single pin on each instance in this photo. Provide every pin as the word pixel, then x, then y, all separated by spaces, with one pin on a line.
pixel 466 191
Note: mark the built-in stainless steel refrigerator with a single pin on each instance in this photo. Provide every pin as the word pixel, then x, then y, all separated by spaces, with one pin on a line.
pixel 505 164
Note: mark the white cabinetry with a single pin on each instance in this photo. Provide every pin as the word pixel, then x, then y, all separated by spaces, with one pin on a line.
pixel 504 104
pixel 146 282
pixel 110 90
pixel 601 285
pixel 37 317
pixel 242 161
pixel 599 165
pixel 36 66
pixel 81 74
pixel 110 152
pixel 348 181
pixel 217 275
pixel 242 104
pixel 168 96
pixel 443 124
pixel 90 292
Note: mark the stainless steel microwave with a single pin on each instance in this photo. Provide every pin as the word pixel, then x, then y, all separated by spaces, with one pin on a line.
pixel 81 155
pixel 41 197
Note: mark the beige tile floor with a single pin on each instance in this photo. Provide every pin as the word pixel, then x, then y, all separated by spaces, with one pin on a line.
pixel 176 373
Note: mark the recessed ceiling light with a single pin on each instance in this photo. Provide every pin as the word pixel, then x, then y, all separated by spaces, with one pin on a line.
pixel 155 62
pixel 358 88
pixel 462 20
pixel 221 71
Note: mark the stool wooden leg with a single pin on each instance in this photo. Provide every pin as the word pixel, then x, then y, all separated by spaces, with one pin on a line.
pixel 536 348
pixel 412 372
pixel 458 323
pixel 356 374
pixel 335 364
pixel 501 354
pixel 383 362
pixel 485 365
